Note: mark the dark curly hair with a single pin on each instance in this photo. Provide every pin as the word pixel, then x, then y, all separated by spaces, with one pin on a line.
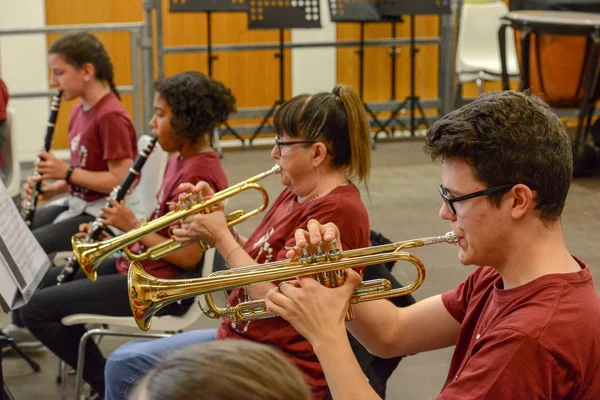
pixel 80 48
pixel 509 137
pixel 198 103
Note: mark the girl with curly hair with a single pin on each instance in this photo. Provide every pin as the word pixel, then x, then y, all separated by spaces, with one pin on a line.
pixel 186 107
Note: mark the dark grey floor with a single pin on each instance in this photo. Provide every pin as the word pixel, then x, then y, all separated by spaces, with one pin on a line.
pixel 403 203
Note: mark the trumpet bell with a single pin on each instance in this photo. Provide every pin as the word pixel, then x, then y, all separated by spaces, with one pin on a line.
pixel 87 256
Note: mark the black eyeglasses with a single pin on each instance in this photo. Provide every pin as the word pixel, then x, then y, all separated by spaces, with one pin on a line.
pixel 450 201
pixel 279 143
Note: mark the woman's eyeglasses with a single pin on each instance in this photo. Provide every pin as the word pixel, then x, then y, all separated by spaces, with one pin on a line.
pixel 279 144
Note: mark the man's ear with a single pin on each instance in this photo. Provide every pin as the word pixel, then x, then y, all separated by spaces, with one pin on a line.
pixel 522 198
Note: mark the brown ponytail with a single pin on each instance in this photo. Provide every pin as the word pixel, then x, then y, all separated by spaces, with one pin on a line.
pixel 338 119
pixel 358 131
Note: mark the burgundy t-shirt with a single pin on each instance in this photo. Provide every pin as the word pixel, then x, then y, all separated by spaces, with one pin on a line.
pixel 102 133
pixel 341 206
pixel 3 100
pixel 540 340
pixel 3 105
pixel 200 167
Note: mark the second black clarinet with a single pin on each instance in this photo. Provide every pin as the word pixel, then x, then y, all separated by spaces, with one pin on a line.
pixel 28 210
pixel 118 194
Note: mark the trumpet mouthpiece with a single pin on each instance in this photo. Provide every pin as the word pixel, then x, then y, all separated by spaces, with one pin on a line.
pixel 449 237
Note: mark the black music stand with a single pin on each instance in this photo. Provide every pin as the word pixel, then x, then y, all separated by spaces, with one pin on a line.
pixel 208 7
pixel 6 341
pixel 281 15
pixel 361 11
pixel 397 8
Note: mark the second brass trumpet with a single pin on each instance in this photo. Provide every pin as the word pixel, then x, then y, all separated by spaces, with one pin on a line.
pixel 91 255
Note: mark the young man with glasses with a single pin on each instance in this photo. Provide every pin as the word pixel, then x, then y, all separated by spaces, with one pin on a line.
pixel 526 323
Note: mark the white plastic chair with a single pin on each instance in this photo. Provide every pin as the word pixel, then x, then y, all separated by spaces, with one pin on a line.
pixel 166 324
pixel 142 198
pixel 478 51
pixel 12 167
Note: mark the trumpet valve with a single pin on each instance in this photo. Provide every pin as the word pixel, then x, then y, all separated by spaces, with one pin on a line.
pixel 306 258
pixel 334 254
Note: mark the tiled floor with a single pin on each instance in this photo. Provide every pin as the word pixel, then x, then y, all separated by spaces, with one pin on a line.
pixel 403 203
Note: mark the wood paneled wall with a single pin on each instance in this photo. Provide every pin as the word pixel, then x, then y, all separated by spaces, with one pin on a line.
pixel 377 67
pixel 253 75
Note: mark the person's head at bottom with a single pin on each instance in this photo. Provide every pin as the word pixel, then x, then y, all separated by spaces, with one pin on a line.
pixel 224 369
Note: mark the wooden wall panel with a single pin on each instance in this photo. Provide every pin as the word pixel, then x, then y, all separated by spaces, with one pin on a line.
pixel 252 75
pixel 377 71
pixel 116 43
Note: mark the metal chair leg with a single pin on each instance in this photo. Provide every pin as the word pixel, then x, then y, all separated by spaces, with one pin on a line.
pixel 63 379
pixel 101 332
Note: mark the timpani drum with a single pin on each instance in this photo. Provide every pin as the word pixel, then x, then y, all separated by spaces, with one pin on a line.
pixel 559 60
pixel 559 47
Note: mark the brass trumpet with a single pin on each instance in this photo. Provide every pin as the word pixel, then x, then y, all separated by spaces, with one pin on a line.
pixel 148 294
pixel 91 255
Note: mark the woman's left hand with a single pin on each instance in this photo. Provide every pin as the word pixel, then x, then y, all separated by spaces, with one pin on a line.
pixel 119 215
pixel 206 228
pixel 51 167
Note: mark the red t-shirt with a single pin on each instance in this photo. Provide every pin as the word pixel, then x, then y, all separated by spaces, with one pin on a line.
pixel 3 100
pixel 3 105
pixel 341 206
pixel 200 167
pixel 104 132
pixel 540 340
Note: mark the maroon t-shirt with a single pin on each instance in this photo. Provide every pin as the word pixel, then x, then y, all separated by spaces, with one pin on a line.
pixel 3 100
pixel 341 206
pixel 540 340
pixel 102 133
pixel 200 167
pixel 3 105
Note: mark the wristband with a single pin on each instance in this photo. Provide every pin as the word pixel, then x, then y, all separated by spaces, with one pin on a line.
pixel 229 255
pixel 69 173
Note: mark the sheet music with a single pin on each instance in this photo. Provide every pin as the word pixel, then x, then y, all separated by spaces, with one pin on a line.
pixel 23 262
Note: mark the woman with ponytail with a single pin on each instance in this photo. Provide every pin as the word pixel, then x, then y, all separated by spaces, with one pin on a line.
pixel 322 145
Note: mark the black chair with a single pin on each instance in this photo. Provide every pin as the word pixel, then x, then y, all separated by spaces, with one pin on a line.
pixel 377 369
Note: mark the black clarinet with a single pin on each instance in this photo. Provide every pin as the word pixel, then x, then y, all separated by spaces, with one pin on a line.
pixel 29 208
pixel 118 194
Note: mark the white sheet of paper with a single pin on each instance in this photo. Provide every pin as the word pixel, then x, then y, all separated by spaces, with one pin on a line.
pixel 22 258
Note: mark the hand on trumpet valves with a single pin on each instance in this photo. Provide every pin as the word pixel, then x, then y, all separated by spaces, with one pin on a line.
pixel 327 236
pixel 50 167
pixel 192 194
pixel 316 312
pixel 119 215
pixel 207 228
